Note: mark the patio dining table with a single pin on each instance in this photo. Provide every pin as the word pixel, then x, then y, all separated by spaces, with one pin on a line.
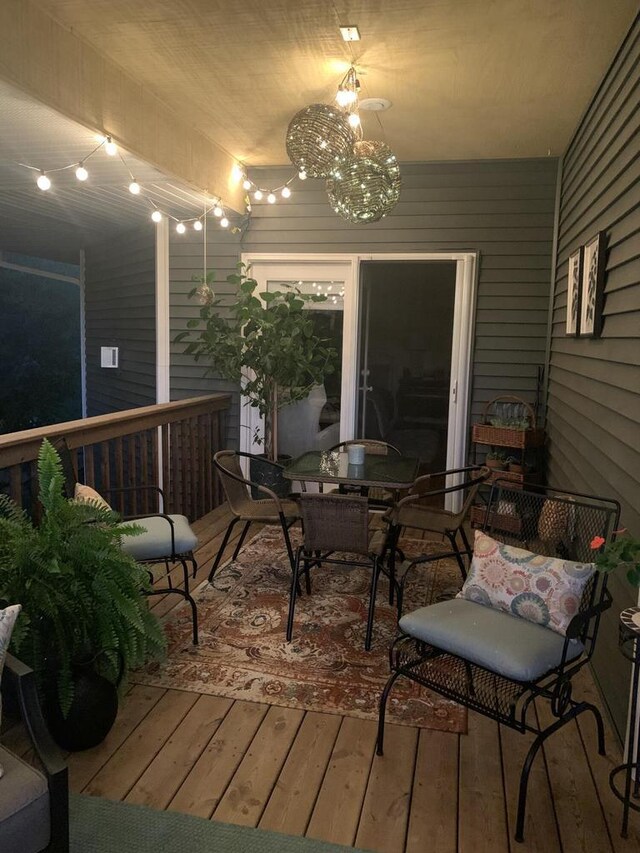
pixel 378 471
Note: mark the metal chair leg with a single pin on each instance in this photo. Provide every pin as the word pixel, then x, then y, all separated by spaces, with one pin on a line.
pixel 454 545
pixel 227 534
pixel 295 586
pixel 188 597
pixel 382 711
pixel 287 541
pixel 245 530
pixel 372 603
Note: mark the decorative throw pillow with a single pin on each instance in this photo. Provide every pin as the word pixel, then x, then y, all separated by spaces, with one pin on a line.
pixel 8 618
pixel 545 590
pixel 88 495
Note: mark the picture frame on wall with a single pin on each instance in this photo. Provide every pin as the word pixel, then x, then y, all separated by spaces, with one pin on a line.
pixel 574 289
pixel 592 297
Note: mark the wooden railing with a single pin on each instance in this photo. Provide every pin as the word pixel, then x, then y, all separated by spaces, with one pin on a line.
pixel 169 444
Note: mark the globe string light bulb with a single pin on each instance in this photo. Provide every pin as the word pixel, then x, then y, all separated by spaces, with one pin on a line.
pixel 257 195
pixel 345 97
pixel 181 228
pixel 81 172
pixel 134 187
pixel 156 216
pixel 110 147
pixel 246 184
pixel 224 222
pixel 286 192
pixel 217 211
pixel 271 198
pixel 197 225
pixel 302 175
pixel 354 120
pixel 43 182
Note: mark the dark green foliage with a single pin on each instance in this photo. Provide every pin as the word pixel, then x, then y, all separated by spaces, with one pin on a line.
pixel 625 552
pixel 269 344
pixel 80 593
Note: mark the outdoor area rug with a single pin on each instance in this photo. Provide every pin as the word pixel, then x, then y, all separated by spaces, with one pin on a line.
pixel 243 653
pixel 101 826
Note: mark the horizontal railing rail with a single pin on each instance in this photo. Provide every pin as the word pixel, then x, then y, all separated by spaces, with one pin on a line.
pixel 169 445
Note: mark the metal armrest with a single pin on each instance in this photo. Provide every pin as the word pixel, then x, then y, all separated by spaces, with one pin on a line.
pixel 581 620
pixel 416 497
pixel 20 679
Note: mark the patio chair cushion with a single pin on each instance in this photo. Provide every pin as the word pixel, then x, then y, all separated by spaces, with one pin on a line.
pixel 24 806
pixel 155 542
pixel 86 494
pixel 508 645
pixel 544 590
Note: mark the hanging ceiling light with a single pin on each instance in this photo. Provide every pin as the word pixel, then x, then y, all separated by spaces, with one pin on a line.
pixel 348 89
pixel 319 138
pixel 367 186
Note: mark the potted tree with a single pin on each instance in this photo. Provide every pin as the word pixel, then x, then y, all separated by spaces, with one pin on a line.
pixel 268 344
pixel 84 621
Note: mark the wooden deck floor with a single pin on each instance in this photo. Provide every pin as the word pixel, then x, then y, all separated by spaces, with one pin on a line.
pixel 317 774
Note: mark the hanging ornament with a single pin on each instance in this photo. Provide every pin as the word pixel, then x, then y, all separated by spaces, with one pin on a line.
pixel 367 185
pixel 319 138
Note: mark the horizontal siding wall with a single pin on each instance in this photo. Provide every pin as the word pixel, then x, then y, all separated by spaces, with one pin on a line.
pixel 186 260
pixel 594 385
pixel 120 311
pixel 503 209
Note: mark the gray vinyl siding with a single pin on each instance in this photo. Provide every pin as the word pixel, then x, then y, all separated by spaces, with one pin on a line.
pixel 120 311
pixel 186 259
pixel 502 209
pixel 594 385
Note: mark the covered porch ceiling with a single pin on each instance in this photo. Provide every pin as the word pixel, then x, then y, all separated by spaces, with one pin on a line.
pixel 468 79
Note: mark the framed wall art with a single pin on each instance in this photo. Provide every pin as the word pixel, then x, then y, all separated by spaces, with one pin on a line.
pixel 574 286
pixel 592 297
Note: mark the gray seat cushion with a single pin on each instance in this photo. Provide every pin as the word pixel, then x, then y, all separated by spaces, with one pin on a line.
pixel 505 644
pixel 24 806
pixel 155 542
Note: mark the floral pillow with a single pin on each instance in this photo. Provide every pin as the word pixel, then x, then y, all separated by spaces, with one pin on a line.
pixel 8 618
pixel 545 590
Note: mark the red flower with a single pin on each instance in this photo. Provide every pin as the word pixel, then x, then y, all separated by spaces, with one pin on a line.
pixel 597 542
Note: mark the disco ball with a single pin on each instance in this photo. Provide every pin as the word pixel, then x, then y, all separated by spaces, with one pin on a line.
pixel 367 185
pixel 319 138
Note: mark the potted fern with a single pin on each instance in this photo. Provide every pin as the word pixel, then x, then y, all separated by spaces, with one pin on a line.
pixel 84 621
pixel 268 345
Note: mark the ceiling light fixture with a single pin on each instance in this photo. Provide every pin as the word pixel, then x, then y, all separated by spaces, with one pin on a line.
pixel 350 32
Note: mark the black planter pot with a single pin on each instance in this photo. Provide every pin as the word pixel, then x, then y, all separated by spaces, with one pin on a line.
pixel 92 713
pixel 263 472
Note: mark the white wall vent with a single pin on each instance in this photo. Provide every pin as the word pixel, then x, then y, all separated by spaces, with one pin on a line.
pixel 108 356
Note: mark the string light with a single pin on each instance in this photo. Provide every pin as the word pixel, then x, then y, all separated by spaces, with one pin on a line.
pixel 81 172
pixel 302 175
pixel 224 222
pixel 43 182
pixel 197 225
pixel 271 198
pixel 110 147
pixel 181 227
pixel 218 211
pixel 156 216
pixel 134 187
pixel 258 195
pixel 286 192
pixel 246 184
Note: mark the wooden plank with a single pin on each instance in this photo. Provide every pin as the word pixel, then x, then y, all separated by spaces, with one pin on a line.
pixel 337 811
pixel 583 828
pixel 125 767
pixel 83 766
pixel 434 802
pixel 385 813
pixel 203 788
pixel 602 765
pixel 291 803
pixel 481 807
pixel 244 800
pixel 541 832
pixel 162 778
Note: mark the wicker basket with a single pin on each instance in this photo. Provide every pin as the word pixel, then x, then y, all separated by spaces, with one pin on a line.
pixel 485 433
pixel 508 523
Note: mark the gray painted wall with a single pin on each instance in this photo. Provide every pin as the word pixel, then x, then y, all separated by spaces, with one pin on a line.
pixel 503 209
pixel 594 389
pixel 120 311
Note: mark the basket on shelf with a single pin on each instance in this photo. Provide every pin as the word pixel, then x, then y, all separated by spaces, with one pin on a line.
pixel 515 424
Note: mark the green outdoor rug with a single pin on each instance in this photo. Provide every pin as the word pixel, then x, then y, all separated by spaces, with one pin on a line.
pixel 103 826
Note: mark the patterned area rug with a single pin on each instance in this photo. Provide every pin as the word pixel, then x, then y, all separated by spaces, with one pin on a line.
pixel 243 653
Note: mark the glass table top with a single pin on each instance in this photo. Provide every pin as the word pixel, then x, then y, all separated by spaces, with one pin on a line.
pixel 323 466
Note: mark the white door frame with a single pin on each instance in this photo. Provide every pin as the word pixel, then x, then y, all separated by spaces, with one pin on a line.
pixel 462 346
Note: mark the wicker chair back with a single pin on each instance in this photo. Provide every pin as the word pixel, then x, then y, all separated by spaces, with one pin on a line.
pixel 335 523
pixel 236 490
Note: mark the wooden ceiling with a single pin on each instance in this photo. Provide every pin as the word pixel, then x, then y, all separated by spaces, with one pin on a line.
pixel 468 79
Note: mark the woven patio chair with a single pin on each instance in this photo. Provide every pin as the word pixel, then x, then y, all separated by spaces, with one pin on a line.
pixel 416 511
pixel 271 509
pixel 501 644
pixel 379 499
pixel 339 524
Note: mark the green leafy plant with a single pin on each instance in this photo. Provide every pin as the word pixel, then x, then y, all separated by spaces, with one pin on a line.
pixel 624 551
pixel 80 593
pixel 268 344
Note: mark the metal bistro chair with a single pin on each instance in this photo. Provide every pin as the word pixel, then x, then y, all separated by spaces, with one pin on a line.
pixel 495 662
pixel 271 509
pixel 335 523
pixel 416 511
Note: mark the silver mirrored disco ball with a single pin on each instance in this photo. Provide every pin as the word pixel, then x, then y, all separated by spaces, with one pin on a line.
pixel 319 138
pixel 367 185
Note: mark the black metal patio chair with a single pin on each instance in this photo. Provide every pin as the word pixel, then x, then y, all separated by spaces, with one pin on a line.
pixel 495 662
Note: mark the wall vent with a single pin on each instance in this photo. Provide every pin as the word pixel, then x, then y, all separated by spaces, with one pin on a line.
pixel 108 356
